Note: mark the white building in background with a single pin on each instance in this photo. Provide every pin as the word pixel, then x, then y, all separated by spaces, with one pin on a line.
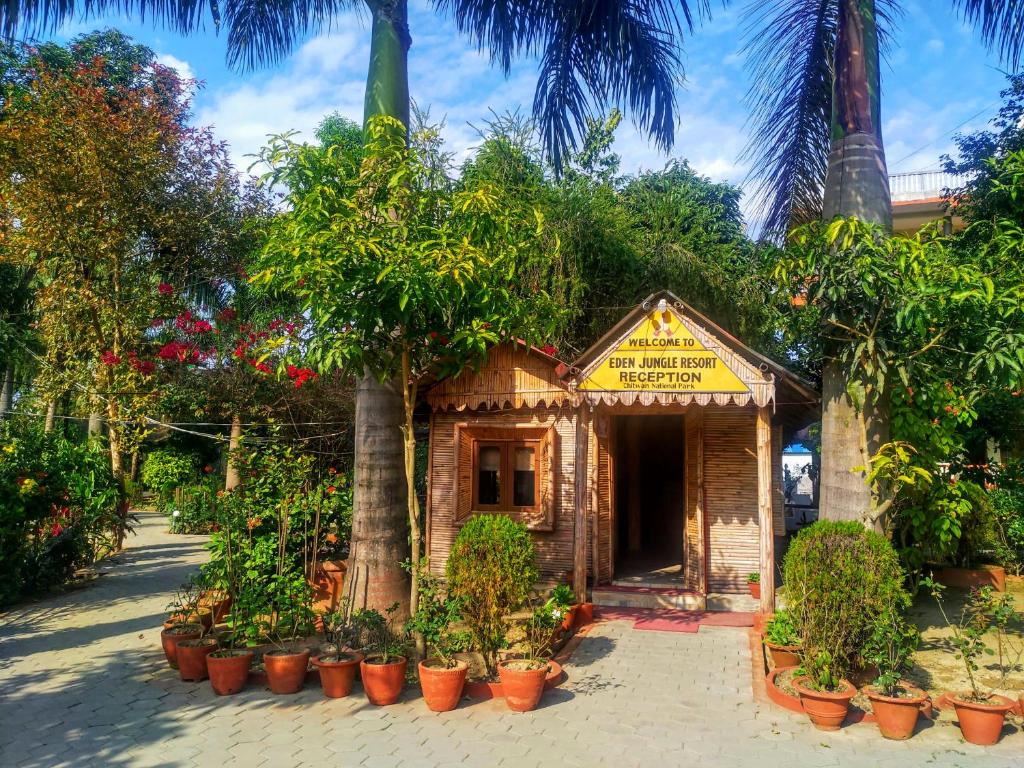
pixel 917 199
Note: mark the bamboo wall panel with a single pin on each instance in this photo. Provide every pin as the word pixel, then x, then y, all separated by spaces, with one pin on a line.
pixel 605 498
pixel 730 498
pixel 512 377
pixel 554 549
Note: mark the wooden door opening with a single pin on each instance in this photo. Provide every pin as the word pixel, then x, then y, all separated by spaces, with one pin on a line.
pixel 650 499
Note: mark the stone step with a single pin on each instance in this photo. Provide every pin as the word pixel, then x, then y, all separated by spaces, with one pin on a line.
pixel 674 599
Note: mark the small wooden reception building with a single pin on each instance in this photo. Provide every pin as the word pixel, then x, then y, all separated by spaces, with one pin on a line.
pixel 654 462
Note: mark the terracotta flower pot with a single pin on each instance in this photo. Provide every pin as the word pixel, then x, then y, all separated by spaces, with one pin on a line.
pixel 229 670
pixel 383 682
pixel 896 715
pixel 783 655
pixel 523 686
pixel 569 621
pixel 981 723
pixel 192 658
pixel 286 670
pixel 826 709
pixel 337 677
pixel 442 686
pixel 755 589
pixel 171 636
pixel 219 607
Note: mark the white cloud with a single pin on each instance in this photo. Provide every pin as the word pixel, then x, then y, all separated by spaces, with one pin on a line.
pixel 183 68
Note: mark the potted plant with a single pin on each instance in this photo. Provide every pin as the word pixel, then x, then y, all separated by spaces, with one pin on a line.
pixel 183 623
pixel 825 696
pixel 523 679
pixel 442 676
pixel 565 600
pixel 292 617
pixel 782 640
pixel 228 668
pixel 383 669
pixel 895 703
pixel 980 713
pixel 337 662
pixel 491 569
pixel 754 584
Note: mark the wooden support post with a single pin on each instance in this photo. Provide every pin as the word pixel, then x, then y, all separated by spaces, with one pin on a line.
pixel 581 499
pixel 764 509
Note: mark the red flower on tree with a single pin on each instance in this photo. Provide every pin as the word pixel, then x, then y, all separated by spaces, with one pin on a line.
pixel 109 358
pixel 165 289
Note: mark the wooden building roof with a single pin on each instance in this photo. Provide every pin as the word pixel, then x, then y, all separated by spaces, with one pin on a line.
pixel 518 376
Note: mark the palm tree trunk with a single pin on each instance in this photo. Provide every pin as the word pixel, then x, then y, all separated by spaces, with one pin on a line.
pixel 51 416
pixel 857 184
pixel 380 531
pixel 7 393
pixel 95 424
pixel 232 479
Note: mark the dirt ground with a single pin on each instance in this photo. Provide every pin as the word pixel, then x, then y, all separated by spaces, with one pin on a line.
pixel 936 668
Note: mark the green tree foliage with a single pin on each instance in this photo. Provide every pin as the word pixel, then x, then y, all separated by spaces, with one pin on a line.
pixel 491 570
pixel 398 276
pixel 621 238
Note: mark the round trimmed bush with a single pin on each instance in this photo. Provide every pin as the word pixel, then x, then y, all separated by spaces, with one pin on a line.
pixel 839 578
pixel 491 570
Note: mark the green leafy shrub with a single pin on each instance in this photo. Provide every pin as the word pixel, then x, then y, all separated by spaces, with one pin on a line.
pixel 491 570
pixel 890 648
pixel 434 617
pixel 839 579
pixel 981 540
pixel 780 630
pixel 1007 501
pixel 164 470
pixel 59 506
pixel 268 534
pixel 563 596
pixel 194 509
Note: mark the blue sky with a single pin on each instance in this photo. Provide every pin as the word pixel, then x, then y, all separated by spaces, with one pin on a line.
pixel 937 78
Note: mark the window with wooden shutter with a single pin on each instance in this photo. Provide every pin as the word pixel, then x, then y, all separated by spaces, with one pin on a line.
pixel 506 470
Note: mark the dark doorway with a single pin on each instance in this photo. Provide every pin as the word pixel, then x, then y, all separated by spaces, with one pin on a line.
pixel 650 499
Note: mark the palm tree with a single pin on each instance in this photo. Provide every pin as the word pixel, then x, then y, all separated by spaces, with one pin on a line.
pixel 592 53
pixel 816 152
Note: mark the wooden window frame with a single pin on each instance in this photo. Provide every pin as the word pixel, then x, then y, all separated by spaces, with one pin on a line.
pixel 469 439
pixel 506 475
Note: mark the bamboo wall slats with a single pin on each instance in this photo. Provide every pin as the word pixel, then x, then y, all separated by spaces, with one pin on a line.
pixel 730 498
pixel 512 377
pixel 555 548
pixel 693 554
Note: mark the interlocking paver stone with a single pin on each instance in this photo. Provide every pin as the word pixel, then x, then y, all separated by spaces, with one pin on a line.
pixel 83 682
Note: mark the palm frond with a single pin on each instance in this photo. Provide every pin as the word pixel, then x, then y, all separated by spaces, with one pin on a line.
pixel 259 31
pixel 1001 24
pixel 790 46
pixel 593 54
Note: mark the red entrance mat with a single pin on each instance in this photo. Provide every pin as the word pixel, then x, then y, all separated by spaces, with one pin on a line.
pixel 667 620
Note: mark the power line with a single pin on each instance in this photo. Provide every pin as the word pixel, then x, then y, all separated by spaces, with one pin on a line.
pixel 950 132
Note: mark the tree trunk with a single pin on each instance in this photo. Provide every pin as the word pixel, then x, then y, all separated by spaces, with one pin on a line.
pixel 95 424
pixel 7 393
pixel 117 468
pixel 856 184
pixel 51 416
pixel 231 478
pixel 409 435
pixel 380 535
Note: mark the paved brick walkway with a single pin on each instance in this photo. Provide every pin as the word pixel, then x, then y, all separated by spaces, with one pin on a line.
pixel 83 682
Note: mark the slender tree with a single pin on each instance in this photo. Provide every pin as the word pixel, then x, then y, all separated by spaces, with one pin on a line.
pixel 591 54
pixel 817 152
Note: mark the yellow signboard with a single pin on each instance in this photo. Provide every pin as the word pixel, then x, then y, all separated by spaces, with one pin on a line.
pixel 661 355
